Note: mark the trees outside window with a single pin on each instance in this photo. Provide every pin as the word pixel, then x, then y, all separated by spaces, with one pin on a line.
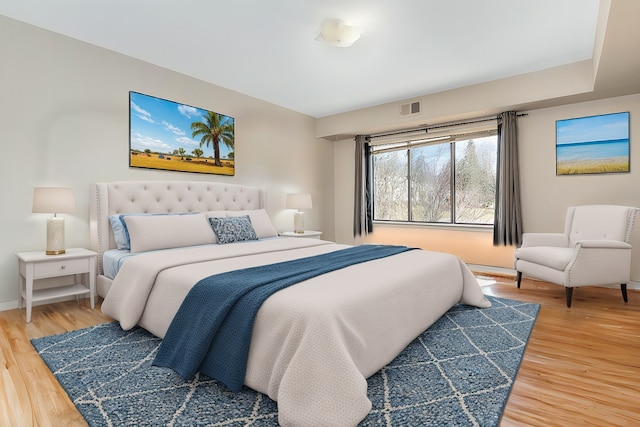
pixel 451 182
pixel 391 186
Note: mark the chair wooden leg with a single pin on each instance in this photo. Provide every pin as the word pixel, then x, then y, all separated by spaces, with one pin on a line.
pixel 518 278
pixel 569 292
pixel 623 288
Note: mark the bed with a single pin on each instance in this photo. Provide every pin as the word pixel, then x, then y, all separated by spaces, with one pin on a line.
pixel 314 344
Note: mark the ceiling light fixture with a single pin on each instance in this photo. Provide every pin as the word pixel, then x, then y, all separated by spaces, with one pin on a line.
pixel 335 32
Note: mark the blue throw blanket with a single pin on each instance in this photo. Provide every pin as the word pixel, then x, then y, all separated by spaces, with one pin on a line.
pixel 211 332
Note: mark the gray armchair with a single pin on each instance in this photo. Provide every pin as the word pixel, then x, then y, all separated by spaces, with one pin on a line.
pixel 595 249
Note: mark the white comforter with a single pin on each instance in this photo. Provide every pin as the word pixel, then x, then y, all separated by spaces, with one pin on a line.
pixel 315 343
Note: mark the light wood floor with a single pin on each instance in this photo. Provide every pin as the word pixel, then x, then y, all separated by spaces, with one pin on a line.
pixel 581 366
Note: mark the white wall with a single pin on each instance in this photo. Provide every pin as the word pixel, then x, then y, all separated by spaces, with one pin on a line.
pixel 545 196
pixel 65 122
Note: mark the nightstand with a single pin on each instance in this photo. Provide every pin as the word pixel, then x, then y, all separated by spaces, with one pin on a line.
pixel 307 233
pixel 37 265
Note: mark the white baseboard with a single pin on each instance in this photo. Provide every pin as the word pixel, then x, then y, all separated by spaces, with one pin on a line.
pixel 501 271
pixel 9 305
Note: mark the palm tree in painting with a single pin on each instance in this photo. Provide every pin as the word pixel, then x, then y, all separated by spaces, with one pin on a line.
pixel 214 129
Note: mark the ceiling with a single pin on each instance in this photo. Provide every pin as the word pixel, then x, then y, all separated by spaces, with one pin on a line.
pixel 267 49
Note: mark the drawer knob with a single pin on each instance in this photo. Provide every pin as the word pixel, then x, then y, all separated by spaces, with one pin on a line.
pixel 62 267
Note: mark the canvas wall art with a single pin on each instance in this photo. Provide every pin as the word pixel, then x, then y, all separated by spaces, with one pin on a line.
pixel 177 137
pixel 593 145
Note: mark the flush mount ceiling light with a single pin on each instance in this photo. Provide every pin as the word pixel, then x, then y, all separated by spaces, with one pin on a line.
pixel 337 33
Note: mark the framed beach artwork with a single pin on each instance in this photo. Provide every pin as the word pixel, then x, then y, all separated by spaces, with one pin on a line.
pixel 593 145
pixel 177 137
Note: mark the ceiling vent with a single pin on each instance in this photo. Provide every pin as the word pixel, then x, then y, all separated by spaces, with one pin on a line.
pixel 411 108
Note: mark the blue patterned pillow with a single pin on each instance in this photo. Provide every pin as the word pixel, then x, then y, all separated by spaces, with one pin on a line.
pixel 233 229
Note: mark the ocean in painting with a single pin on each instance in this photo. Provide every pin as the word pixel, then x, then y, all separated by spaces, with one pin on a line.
pixel 594 150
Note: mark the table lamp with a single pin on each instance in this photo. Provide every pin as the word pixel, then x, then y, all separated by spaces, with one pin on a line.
pixel 298 201
pixel 54 200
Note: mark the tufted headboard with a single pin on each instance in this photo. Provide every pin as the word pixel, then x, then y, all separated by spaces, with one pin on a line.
pixel 108 198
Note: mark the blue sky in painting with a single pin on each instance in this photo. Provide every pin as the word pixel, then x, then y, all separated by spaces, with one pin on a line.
pixel 164 126
pixel 606 127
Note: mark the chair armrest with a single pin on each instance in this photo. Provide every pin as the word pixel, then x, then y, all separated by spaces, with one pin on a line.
pixel 559 240
pixel 605 244
pixel 599 262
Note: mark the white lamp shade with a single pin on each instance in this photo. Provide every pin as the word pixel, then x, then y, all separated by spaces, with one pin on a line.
pixel 298 201
pixel 53 200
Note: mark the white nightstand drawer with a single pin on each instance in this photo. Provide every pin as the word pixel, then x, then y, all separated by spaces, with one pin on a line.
pixel 60 267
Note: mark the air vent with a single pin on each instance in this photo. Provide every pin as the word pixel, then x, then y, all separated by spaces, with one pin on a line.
pixel 408 109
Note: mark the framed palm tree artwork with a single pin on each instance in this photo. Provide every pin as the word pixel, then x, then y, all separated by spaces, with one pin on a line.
pixel 177 137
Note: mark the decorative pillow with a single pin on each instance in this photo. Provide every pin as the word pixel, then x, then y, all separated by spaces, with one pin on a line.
pixel 233 229
pixel 151 232
pixel 259 220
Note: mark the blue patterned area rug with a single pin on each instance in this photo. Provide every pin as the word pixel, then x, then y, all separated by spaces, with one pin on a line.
pixel 459 372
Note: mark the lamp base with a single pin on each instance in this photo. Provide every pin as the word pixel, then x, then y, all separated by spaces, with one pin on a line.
pixel 60 252
pixel 298 222
pixel 55 236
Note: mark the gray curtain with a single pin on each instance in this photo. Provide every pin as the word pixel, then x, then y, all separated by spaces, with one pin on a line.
pixel 363 209
pixel 507 228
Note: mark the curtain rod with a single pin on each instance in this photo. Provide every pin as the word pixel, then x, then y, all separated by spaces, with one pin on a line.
pixel 439 126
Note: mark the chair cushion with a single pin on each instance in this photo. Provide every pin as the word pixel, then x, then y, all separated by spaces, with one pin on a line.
pixel 549 256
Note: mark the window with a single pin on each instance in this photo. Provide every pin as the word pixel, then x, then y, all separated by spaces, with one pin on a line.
pixel 443 180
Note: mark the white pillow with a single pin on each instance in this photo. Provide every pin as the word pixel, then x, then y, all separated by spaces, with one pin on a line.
pixel 148 233
pixel 259 220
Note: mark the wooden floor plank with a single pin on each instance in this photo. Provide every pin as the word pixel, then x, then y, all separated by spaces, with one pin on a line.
pixel 581 366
